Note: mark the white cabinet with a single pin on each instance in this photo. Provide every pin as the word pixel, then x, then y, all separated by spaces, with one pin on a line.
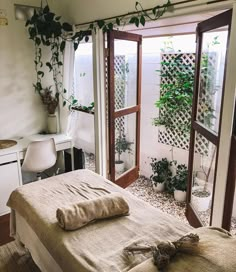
pixel 9 181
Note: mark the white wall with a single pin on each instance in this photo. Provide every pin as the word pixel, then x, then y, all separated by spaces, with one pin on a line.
pixel 21 111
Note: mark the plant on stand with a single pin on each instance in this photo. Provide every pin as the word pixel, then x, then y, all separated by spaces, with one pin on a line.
pixel 121 146
pixel 179 182
pixel 161 173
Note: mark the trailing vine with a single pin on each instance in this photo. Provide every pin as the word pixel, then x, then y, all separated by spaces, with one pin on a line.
pixel 45 29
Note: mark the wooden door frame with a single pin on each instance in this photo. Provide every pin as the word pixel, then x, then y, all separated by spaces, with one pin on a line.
pixel 129 176
pixel 231 181
pixel 220 20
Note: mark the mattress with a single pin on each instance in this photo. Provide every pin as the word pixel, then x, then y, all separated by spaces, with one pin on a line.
pixel 98 246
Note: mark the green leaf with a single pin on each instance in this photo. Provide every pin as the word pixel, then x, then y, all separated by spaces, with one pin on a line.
pixel 74 101
pixel 46 9
pixel 110 26
pixel 48 64
pixel 86 38
pixel 154 10
pixel 132 20
pixel 27 23
pixel 58 18
pixel 64 103
pixel 37 41
pixel 64 90
pixel 136 21
pixel 67 27
pixel 91 26
pixel 62 46
pixel 142 20
pixel 118 21
pixel 100 23
pixel 75 45
pixel 59 63
pixel 40 73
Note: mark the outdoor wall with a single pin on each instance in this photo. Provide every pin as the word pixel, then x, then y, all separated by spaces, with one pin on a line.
pixel 150 147
pixel 22 112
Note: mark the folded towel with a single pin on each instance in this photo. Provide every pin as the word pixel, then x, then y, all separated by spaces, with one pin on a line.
pixel 77 215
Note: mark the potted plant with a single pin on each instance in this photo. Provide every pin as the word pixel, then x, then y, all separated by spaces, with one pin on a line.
pixel 161 173
pixel 201 192
pixel 51 102
pixel 121 146
pixel 180 183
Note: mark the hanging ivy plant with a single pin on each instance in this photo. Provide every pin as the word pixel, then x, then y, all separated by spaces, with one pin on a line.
pixel 45 29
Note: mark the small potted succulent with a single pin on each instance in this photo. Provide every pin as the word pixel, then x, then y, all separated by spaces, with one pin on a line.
pixel 161 173
pixel 179 182
pixel 121 146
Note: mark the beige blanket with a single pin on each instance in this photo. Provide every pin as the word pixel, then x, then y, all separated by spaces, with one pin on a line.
pixel 99 246
pixel 79 214
pixel 217 254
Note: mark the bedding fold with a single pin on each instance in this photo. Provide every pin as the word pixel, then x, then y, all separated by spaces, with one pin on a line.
pixel 77 215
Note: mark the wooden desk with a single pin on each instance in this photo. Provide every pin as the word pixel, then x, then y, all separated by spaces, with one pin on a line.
pixel 10 166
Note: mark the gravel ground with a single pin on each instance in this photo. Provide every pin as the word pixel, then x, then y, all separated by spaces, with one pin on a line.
pixel 142 188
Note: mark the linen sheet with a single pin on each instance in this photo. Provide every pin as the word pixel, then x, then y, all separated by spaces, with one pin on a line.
pixel 97 247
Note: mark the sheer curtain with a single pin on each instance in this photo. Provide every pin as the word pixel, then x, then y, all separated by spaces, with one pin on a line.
pixel 68 83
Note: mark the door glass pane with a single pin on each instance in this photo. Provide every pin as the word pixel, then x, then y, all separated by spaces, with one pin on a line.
pixel 203 177
pixel 125 143
pixel 125 73
pixel 214 45
pixel 82 123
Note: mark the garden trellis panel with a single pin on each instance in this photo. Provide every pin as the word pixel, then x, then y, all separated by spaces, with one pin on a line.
pixel 120 92
pixel 176 137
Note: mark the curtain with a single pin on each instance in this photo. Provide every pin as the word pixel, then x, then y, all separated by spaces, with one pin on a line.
pixel 68 83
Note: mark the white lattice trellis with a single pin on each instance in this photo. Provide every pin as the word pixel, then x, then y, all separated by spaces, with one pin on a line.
pixel 120 92
pixel 177 137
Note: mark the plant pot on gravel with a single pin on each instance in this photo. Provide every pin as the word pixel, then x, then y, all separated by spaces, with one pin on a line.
pixel 180 183
pixel 201 198
pixel 158 186
pixel 161 173
pixel 121 146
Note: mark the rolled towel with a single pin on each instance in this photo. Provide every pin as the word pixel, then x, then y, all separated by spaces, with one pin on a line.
pixel 77 215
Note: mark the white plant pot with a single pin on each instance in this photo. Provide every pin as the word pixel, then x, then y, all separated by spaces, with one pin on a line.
pixel 180 195
pixel 202 204
pixel 158 187
pixel 120 167
pixel 52 124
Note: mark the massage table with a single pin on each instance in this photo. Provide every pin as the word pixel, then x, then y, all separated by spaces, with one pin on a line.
pixel 97 247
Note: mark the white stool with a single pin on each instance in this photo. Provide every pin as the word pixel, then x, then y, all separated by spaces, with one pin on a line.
pixel 40 155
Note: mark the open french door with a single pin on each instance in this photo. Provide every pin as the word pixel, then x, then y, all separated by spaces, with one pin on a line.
pixel 210 73
pixel 124 100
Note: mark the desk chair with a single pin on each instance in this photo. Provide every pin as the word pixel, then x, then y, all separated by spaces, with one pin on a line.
pixel 40 155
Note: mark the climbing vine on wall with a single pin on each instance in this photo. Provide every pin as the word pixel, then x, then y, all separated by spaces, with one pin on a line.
pixel 46 30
